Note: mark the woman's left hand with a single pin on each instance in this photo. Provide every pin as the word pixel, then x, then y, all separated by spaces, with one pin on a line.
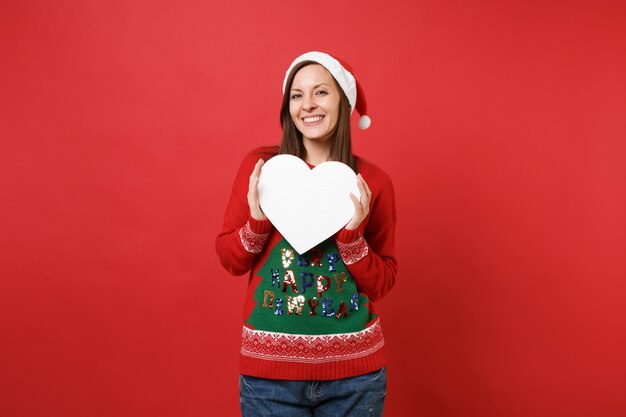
pixel 361 207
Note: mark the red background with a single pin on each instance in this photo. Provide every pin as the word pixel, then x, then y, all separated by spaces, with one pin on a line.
pixel 502 125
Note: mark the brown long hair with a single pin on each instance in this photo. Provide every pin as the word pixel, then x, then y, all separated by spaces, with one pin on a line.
pixel 291 141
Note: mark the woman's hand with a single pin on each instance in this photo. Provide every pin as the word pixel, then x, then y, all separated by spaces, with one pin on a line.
pixel 253 192
pixel 362 207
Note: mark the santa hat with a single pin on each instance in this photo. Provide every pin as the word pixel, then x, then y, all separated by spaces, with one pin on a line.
pixel 343 73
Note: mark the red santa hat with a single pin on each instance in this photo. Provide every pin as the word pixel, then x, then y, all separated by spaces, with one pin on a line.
pixel 343 73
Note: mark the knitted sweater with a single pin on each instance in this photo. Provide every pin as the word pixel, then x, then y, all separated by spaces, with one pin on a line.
pixel 311 316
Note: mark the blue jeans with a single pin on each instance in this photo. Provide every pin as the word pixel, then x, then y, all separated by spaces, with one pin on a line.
pixel 358 396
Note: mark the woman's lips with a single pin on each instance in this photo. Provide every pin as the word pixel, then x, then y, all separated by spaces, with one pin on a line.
pixel 312 120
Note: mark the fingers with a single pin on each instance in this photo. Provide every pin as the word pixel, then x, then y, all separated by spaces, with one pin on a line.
pixel 356 201
pixel 364 188
pixel 358 208
pixel 253 193
pixel 254 177
pixel 258 166
pixel 254 183
pixel 362 205
pixel 256 172
pixel 358 213
pixel 366 195
pixel 359 183
pixel 368 192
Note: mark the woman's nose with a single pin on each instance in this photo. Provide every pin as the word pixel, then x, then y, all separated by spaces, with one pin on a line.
pixel 308 103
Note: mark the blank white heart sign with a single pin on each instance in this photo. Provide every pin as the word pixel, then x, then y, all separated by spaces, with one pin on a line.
pixel 307 206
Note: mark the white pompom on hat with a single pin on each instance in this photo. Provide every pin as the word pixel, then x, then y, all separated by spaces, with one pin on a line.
pixel 343 73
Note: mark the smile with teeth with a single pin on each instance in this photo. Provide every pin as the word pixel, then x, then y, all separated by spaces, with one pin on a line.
pixel 312 120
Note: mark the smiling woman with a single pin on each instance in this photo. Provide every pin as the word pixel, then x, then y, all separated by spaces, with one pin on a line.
pixel 312 342
pixel 314 105
pixel 328 80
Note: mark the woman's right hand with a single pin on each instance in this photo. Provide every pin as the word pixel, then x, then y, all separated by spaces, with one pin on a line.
pixel 253 192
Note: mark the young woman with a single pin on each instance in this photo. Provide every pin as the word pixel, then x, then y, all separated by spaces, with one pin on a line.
pixel 312 341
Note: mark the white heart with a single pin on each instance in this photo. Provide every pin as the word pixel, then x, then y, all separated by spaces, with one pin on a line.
pixel 306 206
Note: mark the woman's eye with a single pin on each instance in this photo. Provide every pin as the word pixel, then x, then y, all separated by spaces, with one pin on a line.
pixel 294 96
pixel 321 93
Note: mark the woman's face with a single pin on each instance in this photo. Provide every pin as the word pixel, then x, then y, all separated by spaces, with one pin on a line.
pixel 314 102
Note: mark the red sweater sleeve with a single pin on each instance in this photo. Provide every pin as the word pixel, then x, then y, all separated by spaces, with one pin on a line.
pixel 241 237
pixel 369 251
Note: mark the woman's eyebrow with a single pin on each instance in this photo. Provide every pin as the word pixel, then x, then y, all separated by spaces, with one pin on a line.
pixel 314 87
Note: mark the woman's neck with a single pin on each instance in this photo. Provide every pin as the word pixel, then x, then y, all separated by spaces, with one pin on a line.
pixel 317 151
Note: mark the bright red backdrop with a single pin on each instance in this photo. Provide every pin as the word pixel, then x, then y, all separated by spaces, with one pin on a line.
pixel 502 125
